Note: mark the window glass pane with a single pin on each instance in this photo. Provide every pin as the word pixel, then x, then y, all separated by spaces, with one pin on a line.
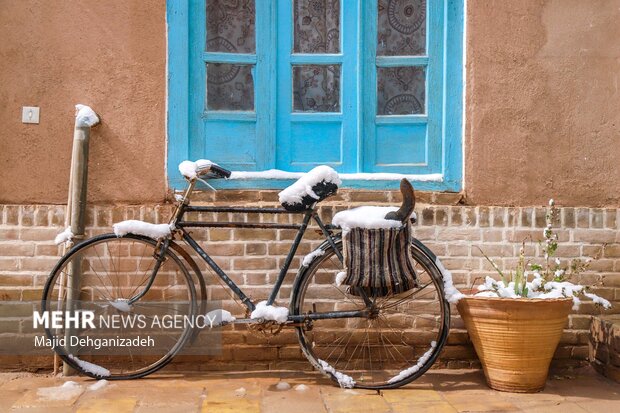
pixel 317 26
pixel 229 87
pixel 230 26
pixel 400 90
pixel 401 28
pixel 316 88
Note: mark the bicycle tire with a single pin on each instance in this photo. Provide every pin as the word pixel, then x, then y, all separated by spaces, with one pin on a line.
pixel 172 282
pixel 317 280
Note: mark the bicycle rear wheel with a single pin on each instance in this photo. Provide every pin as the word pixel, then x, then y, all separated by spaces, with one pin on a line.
pixel 393 347
pixel 125 339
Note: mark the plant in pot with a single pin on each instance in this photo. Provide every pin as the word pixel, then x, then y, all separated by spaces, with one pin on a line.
pixel 516 322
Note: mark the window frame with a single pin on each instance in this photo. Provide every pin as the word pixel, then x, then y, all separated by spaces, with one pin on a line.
pixel 179 128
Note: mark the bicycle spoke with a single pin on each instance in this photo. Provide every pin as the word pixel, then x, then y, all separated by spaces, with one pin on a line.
pixel 374 349
pixel 114 269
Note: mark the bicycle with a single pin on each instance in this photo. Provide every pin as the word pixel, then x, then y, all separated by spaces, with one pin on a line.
pixel 359 340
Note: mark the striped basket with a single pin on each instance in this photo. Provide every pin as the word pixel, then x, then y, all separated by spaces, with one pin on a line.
pixel 379 261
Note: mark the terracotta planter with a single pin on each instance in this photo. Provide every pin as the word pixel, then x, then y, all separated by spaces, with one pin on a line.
pixel 515 339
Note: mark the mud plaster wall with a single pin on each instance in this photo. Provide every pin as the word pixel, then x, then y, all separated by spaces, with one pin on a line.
pixel 542 107
pixel 110 55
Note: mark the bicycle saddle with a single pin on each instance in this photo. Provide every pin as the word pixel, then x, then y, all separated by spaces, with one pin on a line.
pixel 314 186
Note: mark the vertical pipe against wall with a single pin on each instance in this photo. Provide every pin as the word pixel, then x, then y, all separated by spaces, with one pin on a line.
pixel 84 120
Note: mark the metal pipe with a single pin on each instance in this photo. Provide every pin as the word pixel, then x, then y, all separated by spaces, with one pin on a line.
pixel 252 210
pixel 328 316
pixel 158 263
pixel 85 119
pixel 230 283
pixel 328 236
pixel 289 258
pixel 266 225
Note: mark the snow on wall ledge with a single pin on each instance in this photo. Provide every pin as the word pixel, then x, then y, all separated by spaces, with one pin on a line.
pixel 279 174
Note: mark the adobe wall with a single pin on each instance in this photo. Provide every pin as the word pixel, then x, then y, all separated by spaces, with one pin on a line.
pixel 54 54
pixel 542 101
pixel 542 116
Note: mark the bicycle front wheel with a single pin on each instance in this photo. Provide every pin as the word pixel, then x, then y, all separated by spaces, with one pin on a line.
pixel 392 347
pixel 139 318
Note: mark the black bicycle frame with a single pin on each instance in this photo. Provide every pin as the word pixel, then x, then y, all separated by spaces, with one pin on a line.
pixel 301 229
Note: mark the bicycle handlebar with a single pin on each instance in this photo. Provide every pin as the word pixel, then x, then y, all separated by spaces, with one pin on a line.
pixel 213 169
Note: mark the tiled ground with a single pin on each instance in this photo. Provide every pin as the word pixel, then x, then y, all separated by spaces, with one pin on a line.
pixel 437 391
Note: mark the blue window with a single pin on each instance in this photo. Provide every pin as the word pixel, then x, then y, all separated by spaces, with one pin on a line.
pixel 365 86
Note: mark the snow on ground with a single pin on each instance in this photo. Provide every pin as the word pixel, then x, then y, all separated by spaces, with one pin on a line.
pixel 310 257
pixel 68 390
pixel 369 217
pixel 189 168
pixel 303 186
pixel 147 229
pixel 413 369
pixel 100 384
pixel 64 236
pixel 269 312
pixel 90 367
pixel 346 382
pixel 85 116
pixel 282 385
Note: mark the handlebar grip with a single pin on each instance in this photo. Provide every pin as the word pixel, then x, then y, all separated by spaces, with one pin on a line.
pixel 220 171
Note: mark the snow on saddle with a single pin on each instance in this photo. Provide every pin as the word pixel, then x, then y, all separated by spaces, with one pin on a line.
pixel 377 244
pixel 314 186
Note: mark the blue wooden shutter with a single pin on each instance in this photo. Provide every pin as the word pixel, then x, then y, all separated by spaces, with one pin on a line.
pixel 407 143
pixel 237 139
pixel 355 139
pixel 307 138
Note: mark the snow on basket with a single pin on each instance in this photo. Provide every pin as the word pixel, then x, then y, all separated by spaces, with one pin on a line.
pixel 377 254
pixel 311 188
pixel 368 217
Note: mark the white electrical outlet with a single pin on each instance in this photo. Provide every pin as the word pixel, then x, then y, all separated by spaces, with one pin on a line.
pixel 30 114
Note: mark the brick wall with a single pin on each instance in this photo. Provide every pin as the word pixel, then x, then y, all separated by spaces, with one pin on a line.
pixel 252 258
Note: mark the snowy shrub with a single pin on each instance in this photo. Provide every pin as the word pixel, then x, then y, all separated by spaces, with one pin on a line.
pixel 543 277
